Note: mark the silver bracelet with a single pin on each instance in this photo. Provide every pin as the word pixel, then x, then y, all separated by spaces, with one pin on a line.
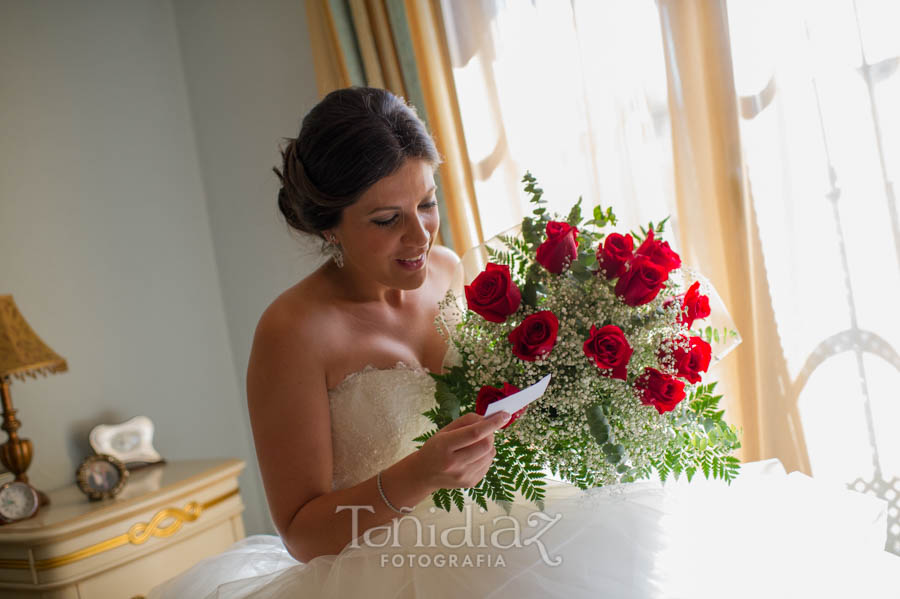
pixel 403 510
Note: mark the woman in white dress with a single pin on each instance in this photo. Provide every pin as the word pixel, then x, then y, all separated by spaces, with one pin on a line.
pixel 337 384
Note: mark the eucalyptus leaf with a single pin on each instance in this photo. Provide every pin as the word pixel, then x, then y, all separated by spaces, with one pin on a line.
pixel 598 424
pixel 447 400
pixel 614 453
pixel 574 218
pixel 529 294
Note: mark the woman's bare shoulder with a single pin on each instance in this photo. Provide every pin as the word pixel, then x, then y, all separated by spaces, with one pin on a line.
pixel 295 323
pixel 444 257
pixel 445 263
pixel 287 398
pixel 300 309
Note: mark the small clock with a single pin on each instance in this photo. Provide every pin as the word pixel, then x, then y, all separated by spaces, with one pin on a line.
pixel 18 501
pixel 101 476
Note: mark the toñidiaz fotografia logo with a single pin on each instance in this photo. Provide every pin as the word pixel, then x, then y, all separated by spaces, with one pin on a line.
pixel 468 545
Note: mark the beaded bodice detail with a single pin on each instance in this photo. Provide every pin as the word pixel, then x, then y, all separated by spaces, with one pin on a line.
pixel 375 415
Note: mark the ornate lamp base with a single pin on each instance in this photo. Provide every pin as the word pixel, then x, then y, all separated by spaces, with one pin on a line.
pixel 16 453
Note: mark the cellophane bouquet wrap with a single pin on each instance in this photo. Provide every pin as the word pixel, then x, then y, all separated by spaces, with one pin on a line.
pixel 625 332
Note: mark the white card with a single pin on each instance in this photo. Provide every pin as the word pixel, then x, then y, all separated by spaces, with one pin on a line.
pixel 515 402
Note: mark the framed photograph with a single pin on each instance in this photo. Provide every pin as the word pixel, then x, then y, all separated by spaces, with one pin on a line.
pixel 130 442
pixel 101 476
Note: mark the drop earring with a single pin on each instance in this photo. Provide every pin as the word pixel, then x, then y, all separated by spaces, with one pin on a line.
pixel 334 249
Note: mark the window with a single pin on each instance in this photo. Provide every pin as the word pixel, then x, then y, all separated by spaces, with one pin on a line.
pixel 820 125
pixel 575 92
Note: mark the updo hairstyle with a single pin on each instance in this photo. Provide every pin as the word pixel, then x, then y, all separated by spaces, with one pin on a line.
pixel 347 142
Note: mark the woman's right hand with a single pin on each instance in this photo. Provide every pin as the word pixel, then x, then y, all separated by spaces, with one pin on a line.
pixel 460 454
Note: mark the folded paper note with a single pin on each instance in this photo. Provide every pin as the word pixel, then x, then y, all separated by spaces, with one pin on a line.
pixel 515 402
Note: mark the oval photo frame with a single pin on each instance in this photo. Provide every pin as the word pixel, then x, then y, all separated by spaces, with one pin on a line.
pixel 101 476
pixel 130 442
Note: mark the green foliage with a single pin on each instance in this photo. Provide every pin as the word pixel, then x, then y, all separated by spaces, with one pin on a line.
pixel 574 218
pixel 532 189
pixel 657 228
pixel 431 414
pixel 581 267
pixel 449 389
pixel 447 401
pixel 530 293
pixel 602 218
pixel 443 498
pixel 699 438
pixel 704 441
pixel 711 335
pixel 516 468
pixel 518 257
pixel 511 259
pixel 614 453
pixel 533 227
pixel 531 233
pixel 597 423
pixel 583 479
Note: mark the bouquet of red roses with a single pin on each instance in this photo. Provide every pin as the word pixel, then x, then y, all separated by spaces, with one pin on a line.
pixel 615 319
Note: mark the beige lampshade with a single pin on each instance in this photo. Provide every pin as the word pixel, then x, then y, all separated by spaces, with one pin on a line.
pixel 21 351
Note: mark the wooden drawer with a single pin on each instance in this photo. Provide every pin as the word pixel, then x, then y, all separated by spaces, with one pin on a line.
pixel 138 577
pixel 173 517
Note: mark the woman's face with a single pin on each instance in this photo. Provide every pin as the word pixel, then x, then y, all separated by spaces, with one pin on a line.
pixel 387 234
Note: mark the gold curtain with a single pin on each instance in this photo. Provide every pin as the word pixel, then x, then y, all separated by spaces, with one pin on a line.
pixel 375 51
pixel 330 67
pixel 719 228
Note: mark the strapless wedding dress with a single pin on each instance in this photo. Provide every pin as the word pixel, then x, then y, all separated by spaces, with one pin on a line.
pixel 769 534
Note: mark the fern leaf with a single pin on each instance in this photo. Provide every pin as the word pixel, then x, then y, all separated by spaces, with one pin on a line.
pixel 456 495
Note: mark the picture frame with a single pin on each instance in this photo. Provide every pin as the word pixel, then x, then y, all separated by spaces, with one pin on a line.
pixel 130 442
pixel 101 476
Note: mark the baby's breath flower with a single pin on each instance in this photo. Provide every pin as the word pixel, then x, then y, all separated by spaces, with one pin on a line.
pixel 557 430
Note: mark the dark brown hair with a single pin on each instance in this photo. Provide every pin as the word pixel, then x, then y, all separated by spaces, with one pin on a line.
pixel 348 141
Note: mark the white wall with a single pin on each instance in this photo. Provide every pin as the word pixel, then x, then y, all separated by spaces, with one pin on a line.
pixel 116 205
pixel 250 79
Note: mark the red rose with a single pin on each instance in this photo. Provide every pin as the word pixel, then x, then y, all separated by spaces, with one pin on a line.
pixel 488 395
pixel 608 348
pixel 659 390
pixel 559 249
pixel 615 254
pixel 641 282
pixel 659 253
pixel 536 336
pixel 694 305
pixel 690 361
pixel 492 294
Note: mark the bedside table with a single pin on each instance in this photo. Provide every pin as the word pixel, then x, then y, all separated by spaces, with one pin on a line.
pixel 167 518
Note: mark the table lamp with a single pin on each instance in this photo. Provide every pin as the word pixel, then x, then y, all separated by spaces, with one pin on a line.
pixel 22 353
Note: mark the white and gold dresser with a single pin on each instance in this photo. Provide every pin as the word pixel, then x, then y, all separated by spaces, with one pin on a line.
pixel 167 518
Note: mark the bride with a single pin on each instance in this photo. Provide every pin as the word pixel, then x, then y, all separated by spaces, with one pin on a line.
pixel 337 384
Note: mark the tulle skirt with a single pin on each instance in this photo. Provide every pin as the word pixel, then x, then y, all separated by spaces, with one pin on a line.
pixel 768 534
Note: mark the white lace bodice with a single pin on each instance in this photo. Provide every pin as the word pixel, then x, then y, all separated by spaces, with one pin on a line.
pixel 375 415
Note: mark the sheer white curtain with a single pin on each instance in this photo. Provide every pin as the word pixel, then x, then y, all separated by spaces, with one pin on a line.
pixel 575 92
pixel 820 125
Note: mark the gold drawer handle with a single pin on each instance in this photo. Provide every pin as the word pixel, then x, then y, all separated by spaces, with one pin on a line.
pixel 140 532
